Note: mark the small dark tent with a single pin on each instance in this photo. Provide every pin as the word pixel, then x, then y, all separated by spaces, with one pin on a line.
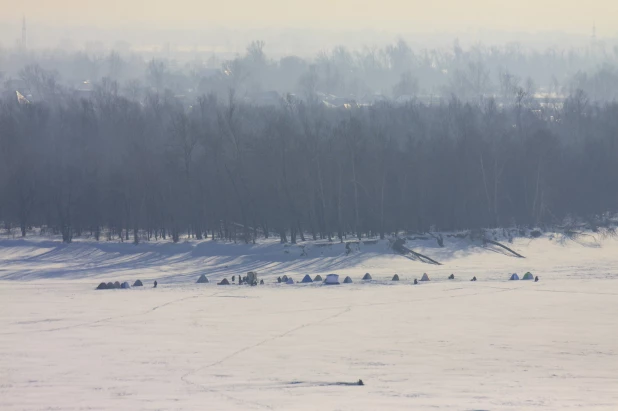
pixel 284 278
pixel 347 280
pixel 116 284
pixel 202 279
pixel 290 281
pixel 224 282
pixel 110 286
pixel 396 277
pixel 125 285
pixel 307 279
pixel 318 278
pixel 138 283
pixel 367 277
pixel 425 277
pixel 514 277
pixel 102 286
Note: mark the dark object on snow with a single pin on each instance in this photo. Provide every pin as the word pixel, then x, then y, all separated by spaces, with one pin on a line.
pixel 261 282
pixel 102 286
pixel 360 382
pixel 473 279
pixel 536 279
pixel 110 286
pixel 138 283
pixel 516 254
pixel 396 277
pixel 415 281
pixel 367 277
pixel 233 278
pixel 155 284
pixel 306 279
pixel 279 279
pixel 116 284
pixel 318 278
pixel 284 278
pixel 399 247
pixel 347 280
pixel 535 234
pixel 252 277
pixel 202 279
pixel 224 282
pixel 125 285
pixel 451 277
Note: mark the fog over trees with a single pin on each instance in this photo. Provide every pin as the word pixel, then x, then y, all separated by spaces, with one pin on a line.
pixel 349 143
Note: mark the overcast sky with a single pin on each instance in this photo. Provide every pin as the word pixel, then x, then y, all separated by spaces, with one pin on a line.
pixel 574 16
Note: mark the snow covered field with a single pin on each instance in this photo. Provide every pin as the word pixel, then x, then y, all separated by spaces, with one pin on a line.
pixel 452 345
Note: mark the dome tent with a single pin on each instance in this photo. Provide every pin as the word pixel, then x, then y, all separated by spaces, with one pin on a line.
pixel 396 277
pixel 116 284
pixel 125 285
pixel 290 281
pixel 110 286
pixel 332 279
pixel 347 280
pixel 367 277
pixel 307 279
pixel 425 277
pixel 528 276
pixel 102 286
pixel 224 282
pixel 514 277
pixel 202 279
pixel 138 283
pixel 318 278
pixel 284 279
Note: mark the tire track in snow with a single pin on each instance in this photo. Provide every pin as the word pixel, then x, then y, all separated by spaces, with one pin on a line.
pixel 186 380
pixel 91 323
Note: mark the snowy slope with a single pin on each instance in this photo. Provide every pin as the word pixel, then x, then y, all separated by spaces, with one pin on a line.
pixel 485 345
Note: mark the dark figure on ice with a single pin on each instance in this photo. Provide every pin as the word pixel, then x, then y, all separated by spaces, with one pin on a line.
pixel 451 277
pixel 155 284
pixel 261 282
pixel 360 382
pixel 536 279
pixel 278 279
pixel 473 279
pixel 415 281
pixel 233 278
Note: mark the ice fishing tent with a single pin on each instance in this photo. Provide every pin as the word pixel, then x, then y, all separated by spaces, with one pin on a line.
pixel 116 284
pixel 290 281
pixel 367 277
pixel 514 277
pixel 110 286
pixel 332 279
pixel 347 280
pixel 224 282
pixel 396 277
pixel 138 283
pixel 102 286
pixel 318 278
pixel 425 277
pixel 202 279
pixel 125 285
pixel 284 278
pixel 307 279
pixel 528 276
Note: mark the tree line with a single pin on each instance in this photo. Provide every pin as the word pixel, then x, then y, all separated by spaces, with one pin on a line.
pixel 112 167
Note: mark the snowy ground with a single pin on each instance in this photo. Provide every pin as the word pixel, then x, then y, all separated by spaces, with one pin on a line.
pixel 452 345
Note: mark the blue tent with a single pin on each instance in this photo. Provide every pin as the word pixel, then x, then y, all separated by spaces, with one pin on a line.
pixel 307 279
pixel 290 281
pixel 125 285
pixel 514 277
pixel 332 279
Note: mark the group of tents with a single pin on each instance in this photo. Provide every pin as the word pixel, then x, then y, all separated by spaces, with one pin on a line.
pixel 117 284
pixel 527 276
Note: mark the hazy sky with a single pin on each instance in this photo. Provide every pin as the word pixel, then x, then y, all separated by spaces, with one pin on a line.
pixel 575 16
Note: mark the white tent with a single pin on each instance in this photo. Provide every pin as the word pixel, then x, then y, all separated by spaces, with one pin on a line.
pixel 425 277
pixel 332 279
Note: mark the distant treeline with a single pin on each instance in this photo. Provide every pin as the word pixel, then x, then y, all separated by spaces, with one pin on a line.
pixel 113 167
